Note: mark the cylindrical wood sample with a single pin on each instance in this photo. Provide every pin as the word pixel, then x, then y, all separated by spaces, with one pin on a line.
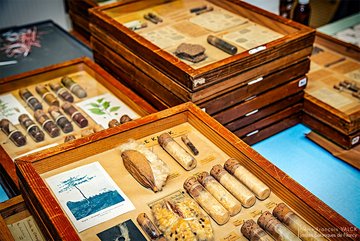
pixel 253 232
pixel 296 224
pixel 60 91
pixel 277 230
pixel 236 188
pixel 46 123
pixel 69 138
pixel 260 190
pixel 74 114
pixel 125 118
pixel 206 201
pixel 177 152
pixel 60 119
pixel 30 100
pixel 149 228
pixel 12 133
pixel 31 128
pixel 189 144
pixel 74 87
pixel 46 95
pixel 112 123
pixel 220 193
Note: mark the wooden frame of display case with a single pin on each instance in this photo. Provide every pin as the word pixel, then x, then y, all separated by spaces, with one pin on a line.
pixel 81 64
pixel 30 169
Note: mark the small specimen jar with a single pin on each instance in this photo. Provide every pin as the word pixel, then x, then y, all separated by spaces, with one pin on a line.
pixel 60 91
pixel 274 227
pixel 46 95
pixel 252 231
pixel 236 188
pixel 176 151
pixel 30 100
pixel 296 224
pixel 74 87
pixel 69 138
pixel 260 190
pixel 60 119
pixel 220 193
pixel 206 201
pixel 31 128
pixel 46 123
pixel 75 115
pixel 189 144
pixel 148 226
pixel 112 123
pixel 125 118
pixel 12 133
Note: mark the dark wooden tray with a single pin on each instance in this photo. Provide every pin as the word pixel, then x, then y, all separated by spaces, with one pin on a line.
pixel 339 61
pixel 295 38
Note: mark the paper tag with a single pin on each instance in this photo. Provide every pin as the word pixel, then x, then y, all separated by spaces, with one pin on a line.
pixel 255 81
pixel 257 49
pixel 302 82
pixel 198 82
pixel 203 109
pixel 355 140
pixel 251 112
pixel 26 229
pixel 231 237
pixel 252 133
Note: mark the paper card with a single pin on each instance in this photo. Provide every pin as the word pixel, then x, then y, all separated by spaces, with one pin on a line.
pixel 217 20
pixel 11 108
pixel 332 98
pixel 106 107
pixel 251 36
pixel 26 229
pixel 165 37
pixel 123 231
pixel 354 76
pixel 89 196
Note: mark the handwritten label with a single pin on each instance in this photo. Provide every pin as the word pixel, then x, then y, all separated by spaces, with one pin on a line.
pixel 208 159
pixel 238 222
pixel 231 237
pixel 26 229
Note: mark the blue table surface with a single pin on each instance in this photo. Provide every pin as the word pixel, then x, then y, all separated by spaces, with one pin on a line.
pixel 333 181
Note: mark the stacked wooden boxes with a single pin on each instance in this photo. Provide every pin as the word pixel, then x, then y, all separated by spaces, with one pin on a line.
pixel 332 99
pixel 263 81
pixel 79 15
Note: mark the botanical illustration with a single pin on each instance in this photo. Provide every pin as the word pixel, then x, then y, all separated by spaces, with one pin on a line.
pixel 91 204
pixel 88 195
pixel 126 231
pixel 104 108
pixel 11 108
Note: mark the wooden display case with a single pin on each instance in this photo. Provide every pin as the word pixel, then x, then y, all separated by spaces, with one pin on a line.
pixel 16 222
pixel 332 63
pixel 280 37
pixel 99 86
pixel 215 144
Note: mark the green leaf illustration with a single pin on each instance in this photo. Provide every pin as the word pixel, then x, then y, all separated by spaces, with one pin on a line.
pixel 100 100
pixel 94 105
pixel 106 105
pixel 115 108
pixel 97 111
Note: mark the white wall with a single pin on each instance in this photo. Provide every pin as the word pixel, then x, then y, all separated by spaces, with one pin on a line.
pixel 20 12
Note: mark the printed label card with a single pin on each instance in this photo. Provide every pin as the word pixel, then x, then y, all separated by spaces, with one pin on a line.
pixel 217 20
pixel 11 108
pixel 104 108
pixel 89 196
pixel 165 37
